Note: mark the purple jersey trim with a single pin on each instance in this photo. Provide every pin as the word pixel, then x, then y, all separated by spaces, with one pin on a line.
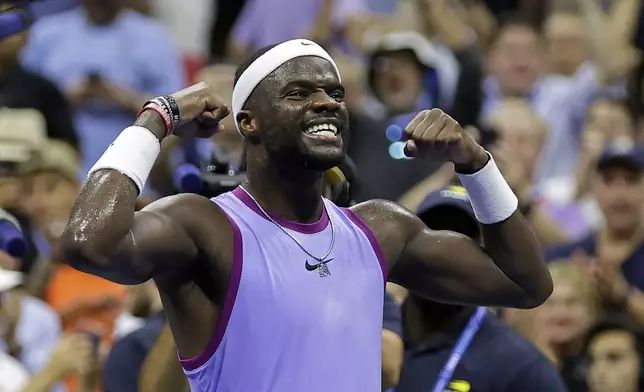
pixel 305 228
pixel 229 302
pixel 372 239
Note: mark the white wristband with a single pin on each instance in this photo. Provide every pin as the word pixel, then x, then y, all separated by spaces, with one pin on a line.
pixel 492 199
pixel 132 153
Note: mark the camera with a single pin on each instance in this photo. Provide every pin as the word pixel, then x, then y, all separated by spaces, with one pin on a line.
pixel 210 178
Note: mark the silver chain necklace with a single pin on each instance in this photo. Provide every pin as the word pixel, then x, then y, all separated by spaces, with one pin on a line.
pixel 322 268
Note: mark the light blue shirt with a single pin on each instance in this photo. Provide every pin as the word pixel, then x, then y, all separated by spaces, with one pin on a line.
pixel 37 332
pixel 562 102
pixel 134 51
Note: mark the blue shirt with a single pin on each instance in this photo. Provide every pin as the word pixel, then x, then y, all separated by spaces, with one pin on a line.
pixel 123 366
pixel 632 267
pixel 134 52
pixel 499 359
pixel 392 315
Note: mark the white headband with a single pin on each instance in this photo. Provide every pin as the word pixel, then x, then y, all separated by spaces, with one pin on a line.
pixel 269 62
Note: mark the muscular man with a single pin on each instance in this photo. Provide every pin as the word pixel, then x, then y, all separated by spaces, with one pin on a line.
pixel 270 287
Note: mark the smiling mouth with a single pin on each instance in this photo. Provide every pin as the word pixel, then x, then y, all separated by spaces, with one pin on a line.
pixel 325 131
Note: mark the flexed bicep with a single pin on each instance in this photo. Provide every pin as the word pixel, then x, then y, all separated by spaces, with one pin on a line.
pixel 450 267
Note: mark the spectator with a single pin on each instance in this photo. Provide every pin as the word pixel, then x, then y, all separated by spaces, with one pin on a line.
pixel 22 89
pixel 516 63
pixel 108 60
pixel 264 22
pixel 571 203
pixel 80 299
pixel 498 358
pixel 614 255
pixel 519 137
pixel 616 355
pixel 125 361
pixel 559 326
pixel 74 354
pixel 31 328
pixel 15 149
pixel 566 43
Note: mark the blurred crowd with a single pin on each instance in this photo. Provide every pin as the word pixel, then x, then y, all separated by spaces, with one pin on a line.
pixel 554 89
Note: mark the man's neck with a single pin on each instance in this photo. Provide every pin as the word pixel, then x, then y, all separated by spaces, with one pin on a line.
pixel 567 350
pixel 291 194
pixel 619 243
pixel 631 236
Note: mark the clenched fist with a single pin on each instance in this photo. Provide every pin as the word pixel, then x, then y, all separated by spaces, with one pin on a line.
pixel 434 134
pixel 200 109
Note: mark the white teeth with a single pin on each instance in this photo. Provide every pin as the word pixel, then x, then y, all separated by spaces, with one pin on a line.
pixel 323 128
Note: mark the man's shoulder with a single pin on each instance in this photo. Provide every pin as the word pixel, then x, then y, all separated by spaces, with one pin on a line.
pixel 380 210
pixel 183 206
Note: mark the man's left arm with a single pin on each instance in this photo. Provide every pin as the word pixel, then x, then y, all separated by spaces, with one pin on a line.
pixel 450 267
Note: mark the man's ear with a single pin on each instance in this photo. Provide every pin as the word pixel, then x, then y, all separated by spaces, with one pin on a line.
pixel 247 124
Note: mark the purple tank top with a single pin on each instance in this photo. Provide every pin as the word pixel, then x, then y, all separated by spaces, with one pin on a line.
pixel 283 327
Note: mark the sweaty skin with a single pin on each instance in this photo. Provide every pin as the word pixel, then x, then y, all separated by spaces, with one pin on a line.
pixel 185 242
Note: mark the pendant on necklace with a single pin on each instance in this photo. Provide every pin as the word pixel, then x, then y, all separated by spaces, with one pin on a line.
pixel 323 270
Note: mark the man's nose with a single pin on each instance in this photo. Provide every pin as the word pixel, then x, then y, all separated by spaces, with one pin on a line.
pixel 322 102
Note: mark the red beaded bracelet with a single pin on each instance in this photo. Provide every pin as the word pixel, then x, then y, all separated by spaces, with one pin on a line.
pixel 165 116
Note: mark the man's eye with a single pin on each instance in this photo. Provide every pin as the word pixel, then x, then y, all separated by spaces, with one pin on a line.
pixel 337 95
pixel 298 94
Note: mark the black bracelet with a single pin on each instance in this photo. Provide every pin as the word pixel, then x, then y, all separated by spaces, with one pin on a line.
pixel 174 110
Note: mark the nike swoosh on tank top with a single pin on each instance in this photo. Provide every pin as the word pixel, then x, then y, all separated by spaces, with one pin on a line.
pixel 288 328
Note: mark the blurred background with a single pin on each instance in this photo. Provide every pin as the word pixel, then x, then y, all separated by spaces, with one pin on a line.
pixel 554 89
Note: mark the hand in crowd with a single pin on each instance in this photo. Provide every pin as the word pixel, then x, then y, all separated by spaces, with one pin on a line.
pixel 104 90
pixel 606 277
pixel 75 353
pixel 80 92
pixel 10 311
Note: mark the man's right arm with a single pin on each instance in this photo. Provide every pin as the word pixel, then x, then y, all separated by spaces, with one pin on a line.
pixel 105 236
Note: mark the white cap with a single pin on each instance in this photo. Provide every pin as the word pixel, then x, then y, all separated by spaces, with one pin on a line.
pixel 13 376
pixel 10 279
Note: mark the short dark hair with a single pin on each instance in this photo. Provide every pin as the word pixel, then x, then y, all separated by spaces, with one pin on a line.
pixel 622 323
pixel 254 56
pixel 511 20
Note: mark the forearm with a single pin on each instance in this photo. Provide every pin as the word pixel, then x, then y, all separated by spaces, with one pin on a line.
pixel 596 23
pixel 507 235
pixel 451 29
pixel 44 380
pixel 161 370
pixel 322 28
pixel 88 383
pixel 635 305
pixel 103 215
